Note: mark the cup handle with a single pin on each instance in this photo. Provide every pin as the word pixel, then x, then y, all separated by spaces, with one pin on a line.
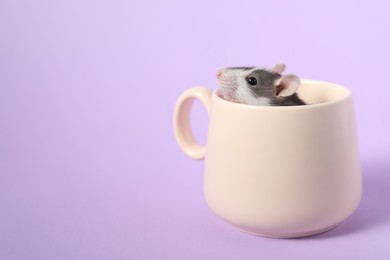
pixel 181 120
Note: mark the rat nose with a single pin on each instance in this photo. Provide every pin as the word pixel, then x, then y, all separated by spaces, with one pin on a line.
pixel 219 74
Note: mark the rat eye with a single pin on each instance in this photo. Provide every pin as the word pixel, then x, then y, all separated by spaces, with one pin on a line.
pixel 251 81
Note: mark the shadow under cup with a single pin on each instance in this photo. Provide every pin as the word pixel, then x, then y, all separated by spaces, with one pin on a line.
pixel 278 171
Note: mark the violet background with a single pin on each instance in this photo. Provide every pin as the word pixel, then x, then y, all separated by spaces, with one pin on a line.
pixel 89 167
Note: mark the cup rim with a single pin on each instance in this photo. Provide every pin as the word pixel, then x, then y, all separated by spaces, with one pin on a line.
pixel 348 94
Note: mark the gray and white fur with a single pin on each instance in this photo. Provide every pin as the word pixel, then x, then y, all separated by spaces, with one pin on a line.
pixel 257 86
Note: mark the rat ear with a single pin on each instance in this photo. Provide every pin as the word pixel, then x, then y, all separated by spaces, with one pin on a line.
pixel 279 68
pixel 287 85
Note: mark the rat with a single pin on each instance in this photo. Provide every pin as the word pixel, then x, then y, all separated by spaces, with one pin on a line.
pixel 258 86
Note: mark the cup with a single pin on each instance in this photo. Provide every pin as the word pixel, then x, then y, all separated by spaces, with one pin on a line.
pixel 278 171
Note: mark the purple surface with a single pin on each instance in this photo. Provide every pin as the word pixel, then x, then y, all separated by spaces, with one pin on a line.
pixel 89 168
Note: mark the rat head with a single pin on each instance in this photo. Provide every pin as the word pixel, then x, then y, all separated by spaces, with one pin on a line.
pixel 256 86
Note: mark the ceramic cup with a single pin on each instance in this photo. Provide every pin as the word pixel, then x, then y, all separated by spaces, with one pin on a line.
pixel 278 171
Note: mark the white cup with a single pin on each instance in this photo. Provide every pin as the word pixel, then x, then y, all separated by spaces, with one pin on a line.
pixel 278 171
